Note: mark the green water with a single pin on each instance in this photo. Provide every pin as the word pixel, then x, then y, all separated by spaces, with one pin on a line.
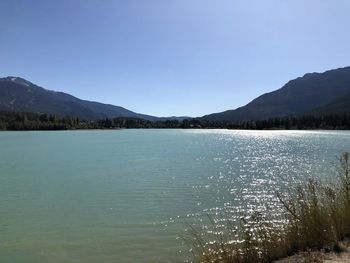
pixel 126 195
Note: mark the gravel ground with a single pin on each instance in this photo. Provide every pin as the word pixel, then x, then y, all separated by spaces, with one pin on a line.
pixel 320 257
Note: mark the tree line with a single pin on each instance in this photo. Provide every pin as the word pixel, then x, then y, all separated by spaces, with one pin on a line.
pixel 35 121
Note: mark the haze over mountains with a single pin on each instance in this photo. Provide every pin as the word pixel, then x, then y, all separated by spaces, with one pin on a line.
pixel 312 94
pixel 313 91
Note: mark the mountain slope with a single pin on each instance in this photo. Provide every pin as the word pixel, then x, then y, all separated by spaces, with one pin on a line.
pixel 340 105
pixel 300 95
pixel 20 95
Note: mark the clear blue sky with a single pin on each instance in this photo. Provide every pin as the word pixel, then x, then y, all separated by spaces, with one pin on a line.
pixel 171 57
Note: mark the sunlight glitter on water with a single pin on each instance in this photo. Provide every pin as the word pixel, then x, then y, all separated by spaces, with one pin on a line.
pixel 125 195
pixel 259 164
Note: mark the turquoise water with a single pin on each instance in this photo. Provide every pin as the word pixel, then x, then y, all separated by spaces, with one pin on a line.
pixel 126 195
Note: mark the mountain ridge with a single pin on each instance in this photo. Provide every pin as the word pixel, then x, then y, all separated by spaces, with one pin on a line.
pixel 20 95
pixel 313 93
pixel 297 96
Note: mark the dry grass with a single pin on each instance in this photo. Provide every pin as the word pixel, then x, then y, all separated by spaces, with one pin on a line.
pixel 317 216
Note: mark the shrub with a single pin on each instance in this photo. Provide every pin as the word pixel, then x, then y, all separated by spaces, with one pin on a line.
pixel 316 216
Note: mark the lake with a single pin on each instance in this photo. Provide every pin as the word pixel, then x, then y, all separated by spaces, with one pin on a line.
pixel 127 195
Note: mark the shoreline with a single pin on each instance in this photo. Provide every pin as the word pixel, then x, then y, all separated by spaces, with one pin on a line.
pixel 316 218
pixel 318 256
pixel 154 128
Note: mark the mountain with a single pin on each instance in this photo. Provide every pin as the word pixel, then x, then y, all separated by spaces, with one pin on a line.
pixel 20 95
pixel 340 105
pixel 303 94
pixel 174 118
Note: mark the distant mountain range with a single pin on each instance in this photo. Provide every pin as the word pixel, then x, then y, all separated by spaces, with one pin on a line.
pixel 20 95
pixel 314 93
